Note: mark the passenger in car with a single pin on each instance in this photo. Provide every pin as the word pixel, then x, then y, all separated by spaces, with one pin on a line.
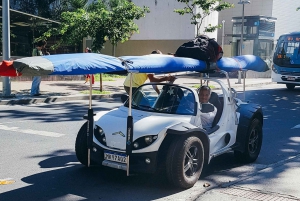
pixel 208 110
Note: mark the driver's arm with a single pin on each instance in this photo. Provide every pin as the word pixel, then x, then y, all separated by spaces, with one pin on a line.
pixel 156 89
pixel 152 78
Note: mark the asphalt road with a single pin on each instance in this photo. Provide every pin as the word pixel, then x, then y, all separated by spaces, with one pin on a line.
pixel 37 153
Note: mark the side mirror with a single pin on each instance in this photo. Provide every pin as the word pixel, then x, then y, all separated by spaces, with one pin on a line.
pixel 124 98
pixel 207 107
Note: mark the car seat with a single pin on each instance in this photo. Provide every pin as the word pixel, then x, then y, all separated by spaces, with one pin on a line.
pixel 214 99
pixel 168 102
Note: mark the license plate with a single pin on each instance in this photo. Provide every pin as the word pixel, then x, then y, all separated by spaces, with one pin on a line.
pixel 291 78
pixel 117 157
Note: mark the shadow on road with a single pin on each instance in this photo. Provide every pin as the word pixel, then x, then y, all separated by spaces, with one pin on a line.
pixel 62 111
pixel 69 180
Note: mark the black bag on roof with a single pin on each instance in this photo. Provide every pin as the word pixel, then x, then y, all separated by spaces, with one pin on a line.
pixel 202 48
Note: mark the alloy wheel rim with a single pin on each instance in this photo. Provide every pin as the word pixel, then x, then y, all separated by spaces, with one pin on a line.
pixel 253 141
pixel 191 161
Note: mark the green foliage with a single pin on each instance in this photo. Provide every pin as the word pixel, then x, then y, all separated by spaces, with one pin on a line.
pixel 64 6
pixel 298 8
pixel 102 20
pixel 108 77
pixel 95 92
pixel 206 8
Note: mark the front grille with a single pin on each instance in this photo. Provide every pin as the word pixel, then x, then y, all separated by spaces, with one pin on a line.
pixel 290 73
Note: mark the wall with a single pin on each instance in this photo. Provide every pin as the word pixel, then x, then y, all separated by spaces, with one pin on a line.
pixel 143 47
pixel 211 19
pixel 162 23
pixel 288 19
pixel 161 29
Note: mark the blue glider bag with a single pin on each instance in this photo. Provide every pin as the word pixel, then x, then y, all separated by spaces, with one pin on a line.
pixel 68 64
pixel 244 62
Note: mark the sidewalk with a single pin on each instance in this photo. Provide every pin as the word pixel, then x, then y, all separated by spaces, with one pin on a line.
pixel 55 91
pixel 276 182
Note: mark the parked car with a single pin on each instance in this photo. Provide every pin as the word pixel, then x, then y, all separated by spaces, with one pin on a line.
pixel 168 133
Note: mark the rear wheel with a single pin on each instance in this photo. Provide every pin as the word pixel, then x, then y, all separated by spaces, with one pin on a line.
pixel 185 161
pixel 290 86
pixel 252 144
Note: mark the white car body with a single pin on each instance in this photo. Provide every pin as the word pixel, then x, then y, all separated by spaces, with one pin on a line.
pixel 231 133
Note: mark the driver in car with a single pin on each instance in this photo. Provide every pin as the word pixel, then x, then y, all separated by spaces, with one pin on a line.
pixel 208 110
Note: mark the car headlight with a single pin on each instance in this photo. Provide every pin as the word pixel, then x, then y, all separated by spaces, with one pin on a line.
pixel 274 69
pixel 100 135
pixel 148 140
pixel 144 141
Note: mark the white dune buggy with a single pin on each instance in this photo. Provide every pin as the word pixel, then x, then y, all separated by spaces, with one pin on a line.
pixel 168 134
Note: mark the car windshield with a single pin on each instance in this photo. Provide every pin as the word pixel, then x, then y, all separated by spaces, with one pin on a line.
pixel 287 52
pixel 172 99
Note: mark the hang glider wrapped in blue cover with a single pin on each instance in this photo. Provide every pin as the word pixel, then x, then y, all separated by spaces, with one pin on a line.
pixel 244 62
pixel 68 64
pixel 157 63
pixel 91 63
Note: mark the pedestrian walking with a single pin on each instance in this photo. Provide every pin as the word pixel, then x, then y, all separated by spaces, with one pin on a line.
pixel 37 51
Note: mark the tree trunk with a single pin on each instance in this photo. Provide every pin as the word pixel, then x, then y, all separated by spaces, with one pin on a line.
pixel 101 89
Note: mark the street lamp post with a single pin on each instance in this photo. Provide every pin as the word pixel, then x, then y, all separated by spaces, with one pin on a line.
pixel 242 35
pixel 223 22
pixel 5 45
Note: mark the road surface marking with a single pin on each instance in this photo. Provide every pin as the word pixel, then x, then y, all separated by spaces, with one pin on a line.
pixel 6 181
pixel 30 131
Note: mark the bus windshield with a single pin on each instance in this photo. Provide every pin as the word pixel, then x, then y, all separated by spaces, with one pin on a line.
pixel 287 52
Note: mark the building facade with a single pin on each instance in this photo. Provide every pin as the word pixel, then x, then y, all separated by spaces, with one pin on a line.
pixel 283 12
pixel 161 29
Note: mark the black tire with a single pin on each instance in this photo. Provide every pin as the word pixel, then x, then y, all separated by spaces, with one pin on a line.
pixel 179 156
pixel 81 145
pixel 252 144
pixel 290 86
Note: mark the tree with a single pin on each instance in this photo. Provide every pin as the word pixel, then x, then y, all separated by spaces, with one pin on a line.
pixel 298 8
pixel 58 7
pixel 206 8
pixel 102 20
pixel 119 24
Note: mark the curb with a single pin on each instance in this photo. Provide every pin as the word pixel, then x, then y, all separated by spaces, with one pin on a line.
pixel 246 176
pixel 52 99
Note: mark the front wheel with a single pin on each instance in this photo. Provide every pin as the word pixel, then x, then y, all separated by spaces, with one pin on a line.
pixel 252 144
pixel 81 145
pixel 290 86
pixel 185 160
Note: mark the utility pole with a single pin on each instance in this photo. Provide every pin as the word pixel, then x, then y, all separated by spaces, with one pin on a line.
pixel 242 36
pixel 223 33
pixel 6 85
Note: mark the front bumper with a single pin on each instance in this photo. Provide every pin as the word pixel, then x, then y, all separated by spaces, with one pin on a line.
pixel 137 161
